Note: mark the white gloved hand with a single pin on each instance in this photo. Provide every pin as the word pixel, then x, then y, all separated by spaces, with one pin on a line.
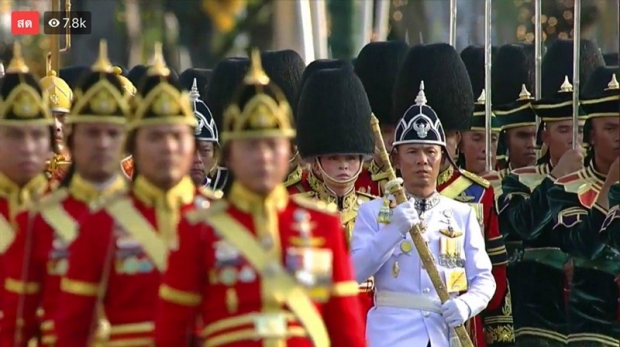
pixel 404 217
pixel 455 312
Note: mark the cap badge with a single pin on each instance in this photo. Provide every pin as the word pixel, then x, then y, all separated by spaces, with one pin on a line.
pixel 422 129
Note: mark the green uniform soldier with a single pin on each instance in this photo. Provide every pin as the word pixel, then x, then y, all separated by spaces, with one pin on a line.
pixel 472 151
pixel 534 258
pixel 578 205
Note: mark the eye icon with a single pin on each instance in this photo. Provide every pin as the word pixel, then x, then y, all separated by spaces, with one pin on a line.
pixel 53 22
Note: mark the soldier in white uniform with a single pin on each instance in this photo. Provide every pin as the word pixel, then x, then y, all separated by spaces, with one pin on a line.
pixel 407 309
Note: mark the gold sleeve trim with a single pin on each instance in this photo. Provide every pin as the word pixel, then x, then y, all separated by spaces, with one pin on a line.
pixel 79 287
pixel 23 288
pixel 179 297
pixel 349 288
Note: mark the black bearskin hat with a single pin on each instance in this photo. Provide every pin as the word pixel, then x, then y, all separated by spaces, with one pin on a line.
pixel 227 76
pixel 377 66
pixel 320 64
pixel 611 59
pixel 599 81
pixel 473 57
pixel 285 68
pixel 513 67
pixel 136 74
pixel 334 114
pixel 447 86
pixel 558 62
pixel 72 74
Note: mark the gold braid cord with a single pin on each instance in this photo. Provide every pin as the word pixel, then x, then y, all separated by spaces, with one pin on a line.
pixel 420 245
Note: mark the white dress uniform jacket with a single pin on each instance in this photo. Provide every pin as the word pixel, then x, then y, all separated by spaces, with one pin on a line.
pixel 407 309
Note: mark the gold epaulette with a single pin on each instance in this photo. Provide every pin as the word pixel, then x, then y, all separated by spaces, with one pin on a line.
pixel 316 205
pixel 199 215
pixel 365 196
pixel 210 194
pixel 53 198
pixel 294 177
pixel 477 179
pixel 99 203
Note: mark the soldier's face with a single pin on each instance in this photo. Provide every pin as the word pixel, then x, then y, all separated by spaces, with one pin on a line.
pixel 340 167
pixel 259 164
pixel 97 149
pixel 473 147
pixel 206 150
pixel 605 138
pixel 24 150
pixel 558 136
pixel 198 173
pixel 164 153
pixel 59 123
pixel 419 164
pixel 453 138
pixel 521 143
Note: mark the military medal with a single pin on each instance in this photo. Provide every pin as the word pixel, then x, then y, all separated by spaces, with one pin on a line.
pixel 130 266
pixel 62 266
pixel 232 301
pixel 405 246
pixel 247 275
pixel 228 276
pixel 395 269
pixel 456 280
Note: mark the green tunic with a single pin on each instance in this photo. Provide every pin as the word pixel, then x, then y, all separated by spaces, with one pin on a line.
pixel 536 268
pixel 593 299
pixel 610 232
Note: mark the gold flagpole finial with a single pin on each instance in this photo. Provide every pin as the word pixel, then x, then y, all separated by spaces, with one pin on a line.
pixel 613 84
pixel 158 67
pixel 17 64
pixel 566 87
pixel 525 94
pixel 256 74
pixel 103 63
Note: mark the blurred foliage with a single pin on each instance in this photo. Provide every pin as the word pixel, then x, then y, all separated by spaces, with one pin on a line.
pixel 224 13
pixel 557 18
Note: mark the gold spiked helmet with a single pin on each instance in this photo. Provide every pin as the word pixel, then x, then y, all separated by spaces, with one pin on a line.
pixel 160 98
pixel 100 95
pixel 258 109
pixel 58 91
pixel 22 100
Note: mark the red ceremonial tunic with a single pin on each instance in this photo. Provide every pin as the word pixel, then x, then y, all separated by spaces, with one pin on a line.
pixel 347 206
pixel 372 179
pixel 12 200
pixel 115 264
pixel 244 279
pixel 54 226
pixel 468 188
